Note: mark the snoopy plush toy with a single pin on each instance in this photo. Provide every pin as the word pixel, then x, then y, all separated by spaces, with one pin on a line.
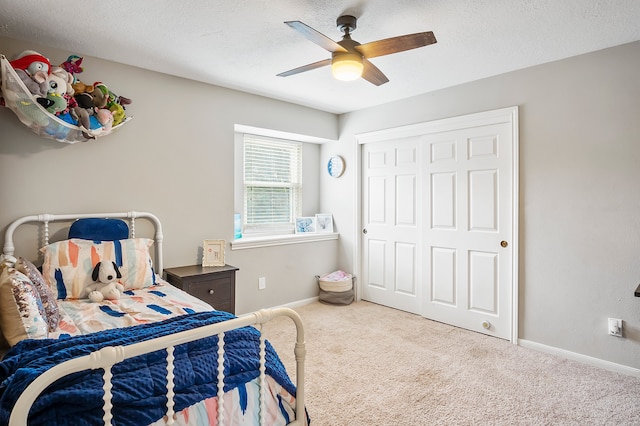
pixel 105 286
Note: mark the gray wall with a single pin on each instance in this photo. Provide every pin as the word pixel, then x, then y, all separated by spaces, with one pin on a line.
pixel 175 159
pixel 579 192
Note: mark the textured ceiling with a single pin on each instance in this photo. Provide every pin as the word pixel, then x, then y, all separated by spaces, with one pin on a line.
pixel 243 44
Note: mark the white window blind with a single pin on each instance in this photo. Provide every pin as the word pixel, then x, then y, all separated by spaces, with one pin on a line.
pixel 272 183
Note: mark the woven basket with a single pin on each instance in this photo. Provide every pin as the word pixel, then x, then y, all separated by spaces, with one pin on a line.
pixel 336 288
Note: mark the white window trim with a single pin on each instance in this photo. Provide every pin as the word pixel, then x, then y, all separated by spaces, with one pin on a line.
pixel 280 240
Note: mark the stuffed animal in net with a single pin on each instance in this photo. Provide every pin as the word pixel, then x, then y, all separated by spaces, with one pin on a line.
pixel 60 81
pixel 72 64
pixel 105 117
pixel 105 286
pixel 84 113
pixel 105 98
pixel 33 69
pixel 80 87
pixel 56 100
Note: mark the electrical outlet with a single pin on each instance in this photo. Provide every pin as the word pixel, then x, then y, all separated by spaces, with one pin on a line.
pixel 615 327
pixel 262 283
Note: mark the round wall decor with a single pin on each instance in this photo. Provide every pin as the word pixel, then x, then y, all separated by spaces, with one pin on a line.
pixel 335 166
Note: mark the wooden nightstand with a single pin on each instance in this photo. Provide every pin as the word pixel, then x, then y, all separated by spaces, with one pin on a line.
pixel 216 285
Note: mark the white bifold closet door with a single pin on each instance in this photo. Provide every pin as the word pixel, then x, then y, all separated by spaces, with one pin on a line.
pixel 437 214
pixel 391 249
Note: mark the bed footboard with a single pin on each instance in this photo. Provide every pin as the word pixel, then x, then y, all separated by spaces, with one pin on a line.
pixel 107 357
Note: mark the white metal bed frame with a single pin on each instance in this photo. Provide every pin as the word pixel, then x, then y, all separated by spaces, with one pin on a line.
pixel 9 247
pixel 107 357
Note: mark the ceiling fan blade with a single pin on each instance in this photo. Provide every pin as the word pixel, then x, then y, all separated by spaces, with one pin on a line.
pixel 396 44
pixel 372 74
pixel 315 36
pixel 304 68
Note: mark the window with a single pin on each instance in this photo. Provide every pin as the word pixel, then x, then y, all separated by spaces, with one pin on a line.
pixel 272 184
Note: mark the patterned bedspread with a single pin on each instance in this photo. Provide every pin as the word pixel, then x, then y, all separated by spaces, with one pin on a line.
pixel 139 383
pixel 143 306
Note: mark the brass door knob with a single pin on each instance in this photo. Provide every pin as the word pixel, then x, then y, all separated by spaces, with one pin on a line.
pixel 503 243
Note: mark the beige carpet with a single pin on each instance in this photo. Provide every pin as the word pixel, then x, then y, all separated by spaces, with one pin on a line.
pixel 372 365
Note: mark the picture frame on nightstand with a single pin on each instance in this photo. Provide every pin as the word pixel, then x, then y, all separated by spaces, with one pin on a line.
pixel 213 253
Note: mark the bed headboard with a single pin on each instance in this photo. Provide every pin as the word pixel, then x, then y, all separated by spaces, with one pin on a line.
pixel 9 247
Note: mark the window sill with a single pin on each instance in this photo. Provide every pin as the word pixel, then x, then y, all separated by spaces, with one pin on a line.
pixel 280 240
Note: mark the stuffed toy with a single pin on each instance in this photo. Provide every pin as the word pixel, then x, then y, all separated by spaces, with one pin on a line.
pixel 85 100
pixel 105 117
pixel 33 69
pixel 112 102
pixel 106 287
pixel 79 87
pixel 84 110
pixel 100 95
pixel 72 64
pixel 59 97
pixel 85 114
pixel 53 103
pixel 81 117
pixel 60 82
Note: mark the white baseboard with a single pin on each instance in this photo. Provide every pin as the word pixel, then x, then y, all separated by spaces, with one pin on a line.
pixel 300 302
pixel 291 305
pixel 596 362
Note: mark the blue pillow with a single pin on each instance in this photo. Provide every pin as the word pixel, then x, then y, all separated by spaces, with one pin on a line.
pixel 99 229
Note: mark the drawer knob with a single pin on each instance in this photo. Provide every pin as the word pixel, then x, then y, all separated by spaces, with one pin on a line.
pixel 211 291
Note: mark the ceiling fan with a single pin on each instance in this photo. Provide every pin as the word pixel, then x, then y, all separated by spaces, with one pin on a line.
pixel 350 59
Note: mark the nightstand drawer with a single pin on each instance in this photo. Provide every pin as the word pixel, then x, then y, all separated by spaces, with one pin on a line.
pixel 211 291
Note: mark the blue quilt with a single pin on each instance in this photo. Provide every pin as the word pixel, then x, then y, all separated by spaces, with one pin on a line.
pixel 138 383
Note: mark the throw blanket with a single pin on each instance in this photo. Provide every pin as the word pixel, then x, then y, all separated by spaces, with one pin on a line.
pixel 138 383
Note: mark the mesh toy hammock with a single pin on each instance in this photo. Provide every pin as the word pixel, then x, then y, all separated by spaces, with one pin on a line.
pixel 20 100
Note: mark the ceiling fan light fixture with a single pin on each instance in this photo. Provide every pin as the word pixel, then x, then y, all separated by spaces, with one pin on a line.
pixel 346 66
pixel 350 59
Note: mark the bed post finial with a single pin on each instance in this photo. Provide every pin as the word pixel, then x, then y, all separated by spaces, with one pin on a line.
pixel 7 260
